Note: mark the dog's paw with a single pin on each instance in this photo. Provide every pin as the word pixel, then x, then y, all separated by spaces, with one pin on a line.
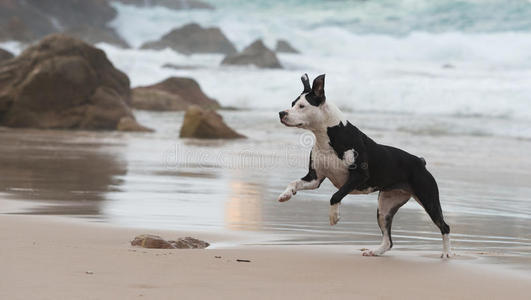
pixel 373 252
pixel 334 214
pixel 446 255
pixel 285 196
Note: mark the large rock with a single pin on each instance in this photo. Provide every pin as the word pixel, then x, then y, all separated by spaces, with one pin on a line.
pixel 5 55
pixel 285 47
pixel 192 38
pixel 31 20
pixel 206 124
pixel 255 54
pixel 157 242
pixel 174 93
pixel 171 4
pixel 62 82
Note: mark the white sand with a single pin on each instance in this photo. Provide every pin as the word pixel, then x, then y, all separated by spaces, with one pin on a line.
pixel 48 258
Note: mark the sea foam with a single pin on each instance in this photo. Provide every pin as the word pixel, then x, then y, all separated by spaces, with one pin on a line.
pixel 452 72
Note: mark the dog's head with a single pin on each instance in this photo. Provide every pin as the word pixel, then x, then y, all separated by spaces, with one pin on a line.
pixel 307 110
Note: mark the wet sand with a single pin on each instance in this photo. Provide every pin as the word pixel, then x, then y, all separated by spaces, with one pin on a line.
pixel 158 181
pixel 52 258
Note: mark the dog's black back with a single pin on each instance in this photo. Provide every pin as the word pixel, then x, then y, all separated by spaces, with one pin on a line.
pixel 384 165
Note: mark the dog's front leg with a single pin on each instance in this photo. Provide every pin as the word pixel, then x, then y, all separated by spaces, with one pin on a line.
pixel 311 181
pixel 298 185
pixel 354 180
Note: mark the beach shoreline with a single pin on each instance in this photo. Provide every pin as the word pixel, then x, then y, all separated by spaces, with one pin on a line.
pixel 52 257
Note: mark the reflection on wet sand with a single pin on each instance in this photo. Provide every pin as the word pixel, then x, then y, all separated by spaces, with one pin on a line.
pixel 243 210
pixel 64 169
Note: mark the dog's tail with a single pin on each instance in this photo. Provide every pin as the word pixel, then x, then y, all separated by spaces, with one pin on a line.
pixel 423 160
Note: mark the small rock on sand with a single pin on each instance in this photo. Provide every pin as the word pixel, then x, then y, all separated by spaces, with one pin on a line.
pixel 157 242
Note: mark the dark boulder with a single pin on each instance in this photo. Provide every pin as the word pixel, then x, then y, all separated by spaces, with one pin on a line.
pixel 206 124
pixel 62 82
pixel 192 38
pixel 285 47
pixel 255 54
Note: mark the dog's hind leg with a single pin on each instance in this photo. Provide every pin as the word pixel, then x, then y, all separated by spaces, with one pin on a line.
pixel 388 204
pixel 426 193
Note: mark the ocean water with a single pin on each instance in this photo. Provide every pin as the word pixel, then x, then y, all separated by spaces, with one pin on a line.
pixel 464 59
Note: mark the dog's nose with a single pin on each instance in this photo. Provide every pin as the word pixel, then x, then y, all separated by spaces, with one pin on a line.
pixel 282 114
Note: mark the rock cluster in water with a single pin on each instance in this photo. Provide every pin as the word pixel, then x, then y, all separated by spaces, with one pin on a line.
pixel 61 82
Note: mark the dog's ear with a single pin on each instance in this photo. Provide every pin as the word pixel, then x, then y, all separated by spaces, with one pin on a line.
pixel 306 83
pixel 318 86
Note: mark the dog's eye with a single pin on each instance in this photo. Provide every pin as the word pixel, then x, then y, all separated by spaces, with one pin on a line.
pixel 301 106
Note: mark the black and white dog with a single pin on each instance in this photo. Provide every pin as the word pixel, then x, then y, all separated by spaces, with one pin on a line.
pixel 355 164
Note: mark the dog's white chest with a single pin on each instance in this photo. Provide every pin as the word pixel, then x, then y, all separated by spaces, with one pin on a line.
pixel 325 161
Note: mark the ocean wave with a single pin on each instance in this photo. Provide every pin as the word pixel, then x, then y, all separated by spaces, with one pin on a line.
pixel 450 74
pixel 245 20
pixel 307 30
pixel 415 71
